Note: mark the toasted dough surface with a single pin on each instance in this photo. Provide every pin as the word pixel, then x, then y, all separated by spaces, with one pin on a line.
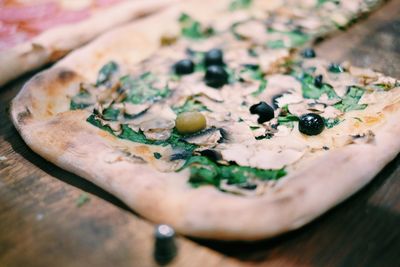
pixel 56 42
pixel 41 114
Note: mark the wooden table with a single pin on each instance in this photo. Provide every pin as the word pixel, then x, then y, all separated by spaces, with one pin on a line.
pixel 41 224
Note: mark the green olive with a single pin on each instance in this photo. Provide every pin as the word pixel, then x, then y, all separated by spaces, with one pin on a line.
pixel 190 122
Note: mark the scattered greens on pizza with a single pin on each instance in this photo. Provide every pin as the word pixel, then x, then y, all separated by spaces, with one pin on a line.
pixel 237 106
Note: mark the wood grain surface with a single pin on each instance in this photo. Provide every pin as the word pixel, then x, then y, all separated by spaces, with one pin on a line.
pixel 41 223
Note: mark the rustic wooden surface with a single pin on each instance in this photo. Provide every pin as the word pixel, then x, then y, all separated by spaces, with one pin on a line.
pixel 41 225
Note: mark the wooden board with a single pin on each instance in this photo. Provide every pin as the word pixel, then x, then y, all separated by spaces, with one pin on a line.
pixel 41 224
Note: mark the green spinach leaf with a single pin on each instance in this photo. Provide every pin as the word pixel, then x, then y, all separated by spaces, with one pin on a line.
pixel 106 72
pixel 192 29
pixel 92 119
pixel 311 91
pixel 140 89
pixel 204 171
pixel 239 4
pixel 351 99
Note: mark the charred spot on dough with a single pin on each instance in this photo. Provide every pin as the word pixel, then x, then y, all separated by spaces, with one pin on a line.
pixel 57 54
pixel 142 150
pixel 24 115
pixel 66 76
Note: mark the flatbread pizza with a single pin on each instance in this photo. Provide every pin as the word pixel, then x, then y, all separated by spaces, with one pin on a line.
pixel 216 118
pixel 36 32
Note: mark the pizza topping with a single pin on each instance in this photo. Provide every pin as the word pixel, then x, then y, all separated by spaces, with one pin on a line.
pixel 157 129
pixel 184 66
pixel 190 122
pixel 351 99
pixel 144 88
pixel 308 53
pixel 204 171
pixel 250 61
pixel 106 72
pixel 216 76
pixel 192 29
pixel 311 124
pixel 261 156
pixel 239 4
pixel 214 57
pixel 208 137
pixel 335 68
pixel 264 111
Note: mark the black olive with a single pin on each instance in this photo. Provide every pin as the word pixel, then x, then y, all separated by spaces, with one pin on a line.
pixel 318 81
pixel 184 66
pixel 264 111
pixel 335 68
pixel 214 57
pixel 216 76
pixel 311 124
pixel 309 53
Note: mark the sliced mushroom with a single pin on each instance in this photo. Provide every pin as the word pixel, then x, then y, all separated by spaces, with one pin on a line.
pixel 260 156
pixel 288 98
pixel 331 113
pixel 252 30
pixel 366 75
pixel 157 129
pixel 207 137
pixel 273 61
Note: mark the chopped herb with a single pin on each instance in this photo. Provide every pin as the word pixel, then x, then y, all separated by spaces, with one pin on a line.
pixel 74 106
pixel 234 31
pixel 92 119
pixel 110 114
pixel 276 44
pixel 204 171
pixel 321 2
pixel 157 155
pixel 140 89
pixel 261 88
pixel 350 100
pixel 253 71
pixel 297 39
pixel 192 29
pixel 76 101
pixel 330 123
pixel 82 200
pixel 252 52
pixel 287 120
pixel 385 87
pixel 358 119
pixel 239 4
pixel 254 127
pixel 311 91
pixel 106 72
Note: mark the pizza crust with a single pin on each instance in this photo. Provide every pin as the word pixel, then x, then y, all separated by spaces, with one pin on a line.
pixel 54 43
pixel 40 113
